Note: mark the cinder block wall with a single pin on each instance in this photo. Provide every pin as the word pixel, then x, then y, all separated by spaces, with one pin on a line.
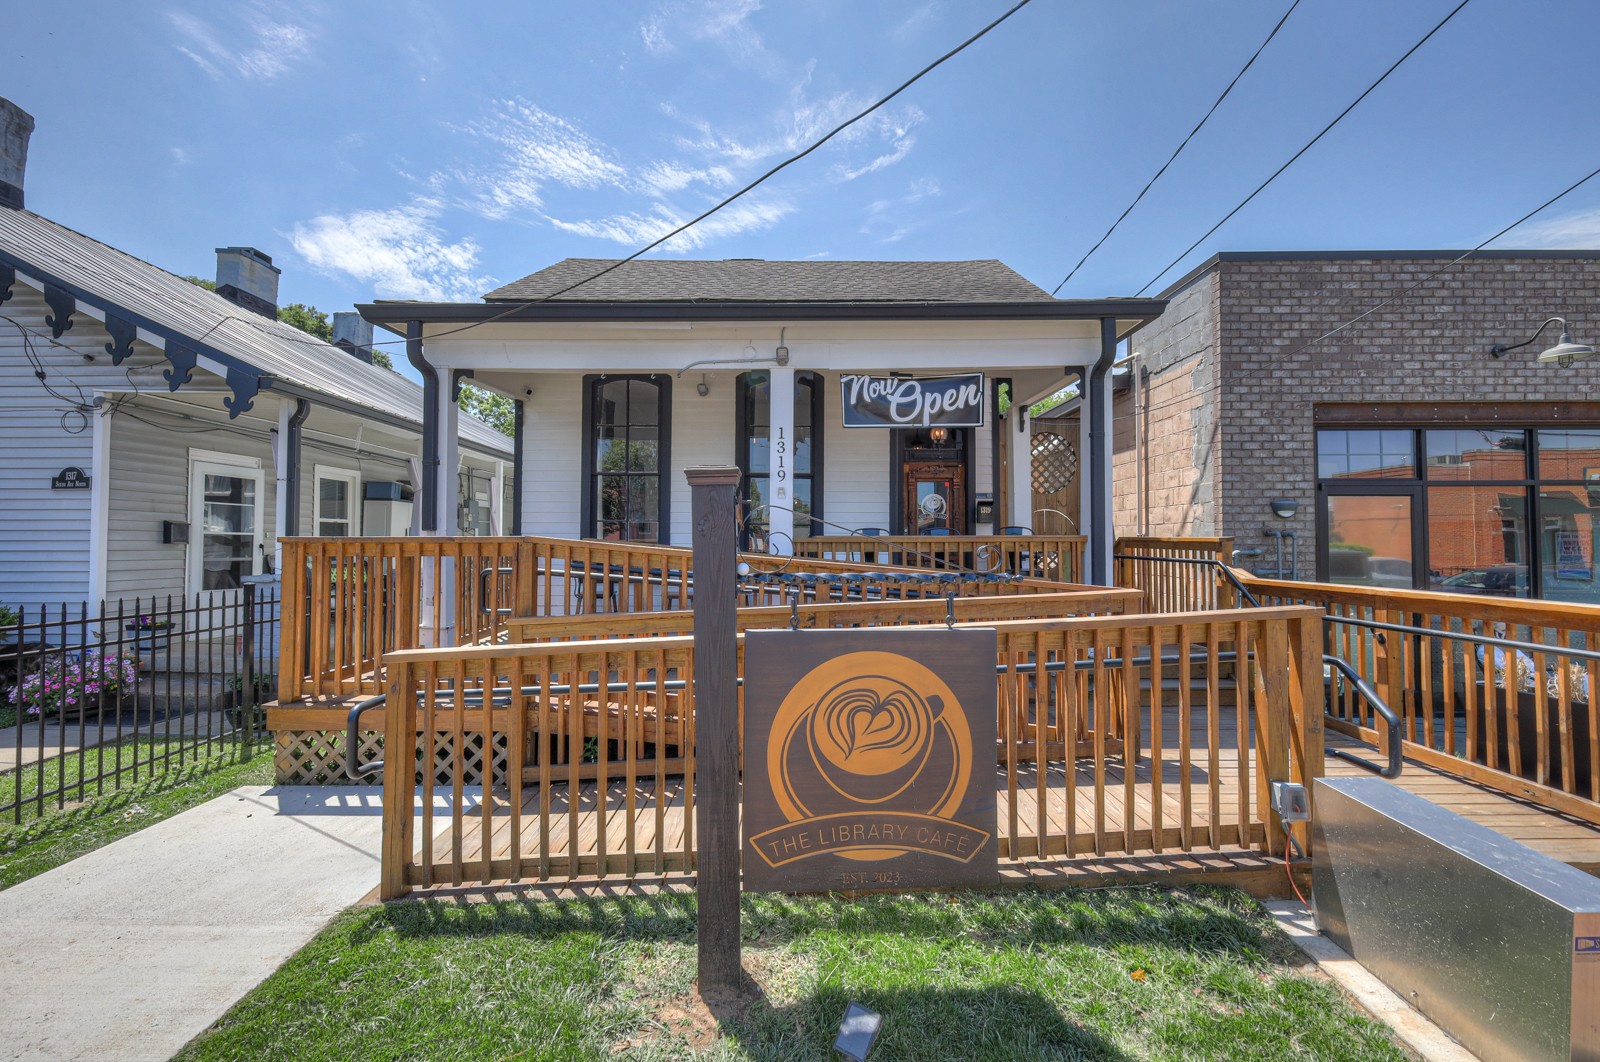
pixel 1428 346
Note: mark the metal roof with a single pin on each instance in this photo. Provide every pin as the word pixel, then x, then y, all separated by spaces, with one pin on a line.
pixel 278 355
pixel 759 280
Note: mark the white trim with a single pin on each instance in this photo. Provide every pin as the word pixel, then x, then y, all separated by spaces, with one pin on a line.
pixel 99 505
pixel 218 457
pixel 350 478
pixel 240 469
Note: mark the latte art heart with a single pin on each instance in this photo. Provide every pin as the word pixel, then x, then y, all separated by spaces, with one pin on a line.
pixel 874 728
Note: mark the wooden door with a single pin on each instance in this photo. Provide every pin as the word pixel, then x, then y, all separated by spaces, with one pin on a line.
pixel 935 495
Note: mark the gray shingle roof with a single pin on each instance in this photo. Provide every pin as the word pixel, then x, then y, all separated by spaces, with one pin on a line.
pixel 758 280
pixel 276 349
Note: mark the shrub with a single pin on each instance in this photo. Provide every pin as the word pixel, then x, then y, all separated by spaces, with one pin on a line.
pixel 73 685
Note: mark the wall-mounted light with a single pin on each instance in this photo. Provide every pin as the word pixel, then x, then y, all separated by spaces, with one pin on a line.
pixel 1284 507
pixel 1564 353
pixel 940 436
pixel 702 388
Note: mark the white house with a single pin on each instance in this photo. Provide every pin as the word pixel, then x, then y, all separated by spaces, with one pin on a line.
pixel 158 438
pixel 828 382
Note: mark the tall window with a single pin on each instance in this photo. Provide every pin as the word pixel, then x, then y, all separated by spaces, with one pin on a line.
pixel 626 496
pixel 225 507
pixel 754 432
pixel 1509 512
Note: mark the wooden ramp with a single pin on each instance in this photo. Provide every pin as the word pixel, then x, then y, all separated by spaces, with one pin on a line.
pixel 1570 840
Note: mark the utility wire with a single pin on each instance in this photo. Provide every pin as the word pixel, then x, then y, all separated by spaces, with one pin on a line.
pixel 1390 300
pixel 1200 125
pixel 1308 146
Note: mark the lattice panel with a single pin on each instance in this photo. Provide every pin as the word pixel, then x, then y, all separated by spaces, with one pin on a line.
pixel 1055 462
pixel 316 757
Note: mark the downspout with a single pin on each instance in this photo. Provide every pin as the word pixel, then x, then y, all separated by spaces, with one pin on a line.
pixel 291 461
pixel 430 422
pixel 1100 552
pixel 518 412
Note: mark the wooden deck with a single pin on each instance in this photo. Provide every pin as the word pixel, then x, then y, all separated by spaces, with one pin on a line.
pixel 1131 834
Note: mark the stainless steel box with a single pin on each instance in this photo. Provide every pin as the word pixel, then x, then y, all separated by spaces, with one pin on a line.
pixel 1498 944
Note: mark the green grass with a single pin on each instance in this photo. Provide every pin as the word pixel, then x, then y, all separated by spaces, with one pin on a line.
pixel 44 841
pixel 1114 974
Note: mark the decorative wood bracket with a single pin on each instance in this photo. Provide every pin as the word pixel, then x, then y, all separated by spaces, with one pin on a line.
pixel 122 332
pixel 8 279
pixel 245 388
pixel 61 301
pixel 183 359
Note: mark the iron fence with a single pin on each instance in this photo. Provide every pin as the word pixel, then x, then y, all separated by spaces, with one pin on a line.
pixel 95 700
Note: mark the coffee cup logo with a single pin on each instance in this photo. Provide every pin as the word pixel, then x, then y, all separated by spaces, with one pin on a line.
pixel 869 757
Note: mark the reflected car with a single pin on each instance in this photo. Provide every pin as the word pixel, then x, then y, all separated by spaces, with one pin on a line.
pixel 1389 571
pixel 1501 580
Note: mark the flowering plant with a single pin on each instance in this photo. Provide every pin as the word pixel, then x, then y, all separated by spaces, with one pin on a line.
pixel 73 685
pixel 146 623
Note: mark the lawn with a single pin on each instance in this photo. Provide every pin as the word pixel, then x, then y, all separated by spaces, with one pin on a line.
pixel 1112 974
pixel 187 779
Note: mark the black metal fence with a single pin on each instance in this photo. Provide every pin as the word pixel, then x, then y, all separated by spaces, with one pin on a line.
pixel 92 701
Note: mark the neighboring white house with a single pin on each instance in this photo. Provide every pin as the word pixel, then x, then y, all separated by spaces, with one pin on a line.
pixel 158 438
pixel 827 382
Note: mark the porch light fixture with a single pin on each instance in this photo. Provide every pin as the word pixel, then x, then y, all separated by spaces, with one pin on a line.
pixel 1564 353
pixel 1284 507
pixel 939 435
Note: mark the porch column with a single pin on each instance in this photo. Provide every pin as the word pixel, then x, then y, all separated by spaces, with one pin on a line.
pixel 446 521
pixel 780 480
pixel 1020 488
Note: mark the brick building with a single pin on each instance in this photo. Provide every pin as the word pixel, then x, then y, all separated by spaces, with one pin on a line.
pixel 1412 455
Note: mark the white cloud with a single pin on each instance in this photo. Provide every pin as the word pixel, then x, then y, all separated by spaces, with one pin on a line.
pixel 892 220
pixel 724 23
pixel 660 178
pixel 634 229
pixel 536 148
pixel 401 252
pixel 180 156
pixel 1578 230
pixel 272 43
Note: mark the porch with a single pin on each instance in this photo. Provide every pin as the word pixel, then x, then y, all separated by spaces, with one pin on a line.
pixel 581 650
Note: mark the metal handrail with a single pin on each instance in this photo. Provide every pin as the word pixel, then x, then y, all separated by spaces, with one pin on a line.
pixel 354 769
pixel 1477 639
pixel 1210 562
pixel 1391 720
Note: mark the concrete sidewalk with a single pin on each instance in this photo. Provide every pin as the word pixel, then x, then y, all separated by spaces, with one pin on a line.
pixel 131 951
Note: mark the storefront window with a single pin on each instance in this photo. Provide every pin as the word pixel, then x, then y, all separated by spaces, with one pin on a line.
pixel 626 458
pixel 1506 512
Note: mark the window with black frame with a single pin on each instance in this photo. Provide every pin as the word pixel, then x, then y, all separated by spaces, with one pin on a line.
pixel 754 431
pixel 627 453
pixel 1505 512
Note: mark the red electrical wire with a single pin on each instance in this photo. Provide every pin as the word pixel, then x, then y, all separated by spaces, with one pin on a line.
pixel 1289 870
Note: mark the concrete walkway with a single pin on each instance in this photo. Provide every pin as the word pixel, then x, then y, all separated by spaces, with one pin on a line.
pixel 131 951
pixel 62 738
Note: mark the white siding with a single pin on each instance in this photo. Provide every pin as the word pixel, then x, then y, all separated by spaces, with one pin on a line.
pixel 702 434
pixel 856 483
pixel 150 483
pixel 551 469
pixel 44 533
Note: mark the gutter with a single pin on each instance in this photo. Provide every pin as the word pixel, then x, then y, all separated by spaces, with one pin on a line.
pixel 1100 550
pixel 291 477
pixel 430 427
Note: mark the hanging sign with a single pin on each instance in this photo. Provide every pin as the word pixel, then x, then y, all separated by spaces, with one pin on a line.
pixel 903 402
pixel 69 479
pixel 869 759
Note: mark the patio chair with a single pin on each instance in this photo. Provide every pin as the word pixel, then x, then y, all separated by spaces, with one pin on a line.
pixel 942 530
pixel 874 531
pixel 1016 529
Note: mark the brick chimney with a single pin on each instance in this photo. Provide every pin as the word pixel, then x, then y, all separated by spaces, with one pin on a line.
pixel 247 278
pixel 16 125
pixel 353 334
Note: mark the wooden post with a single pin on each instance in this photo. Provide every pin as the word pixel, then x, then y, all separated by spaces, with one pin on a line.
pixel 716 704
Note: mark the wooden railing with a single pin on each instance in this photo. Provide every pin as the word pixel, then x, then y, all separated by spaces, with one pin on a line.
pixel 591 746
pixel 1176 574
pixel 347 601
pixel 1523 721
pixel 1055 557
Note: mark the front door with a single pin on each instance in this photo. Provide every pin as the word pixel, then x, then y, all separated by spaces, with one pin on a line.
pixel 935 497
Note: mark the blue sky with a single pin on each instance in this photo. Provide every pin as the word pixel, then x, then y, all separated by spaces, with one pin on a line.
pixel 413 150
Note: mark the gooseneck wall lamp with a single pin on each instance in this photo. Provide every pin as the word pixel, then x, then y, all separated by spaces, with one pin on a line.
pixel 1564 353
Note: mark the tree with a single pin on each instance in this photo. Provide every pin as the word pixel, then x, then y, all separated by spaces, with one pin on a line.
pixel 493 409
pixel 309 319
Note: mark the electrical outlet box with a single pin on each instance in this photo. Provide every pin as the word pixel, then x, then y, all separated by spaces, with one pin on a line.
pixel 1290 801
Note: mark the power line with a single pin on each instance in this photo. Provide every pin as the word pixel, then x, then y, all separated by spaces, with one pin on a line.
pixel 1308 146
pixel 1200 125
pixel 1390 300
